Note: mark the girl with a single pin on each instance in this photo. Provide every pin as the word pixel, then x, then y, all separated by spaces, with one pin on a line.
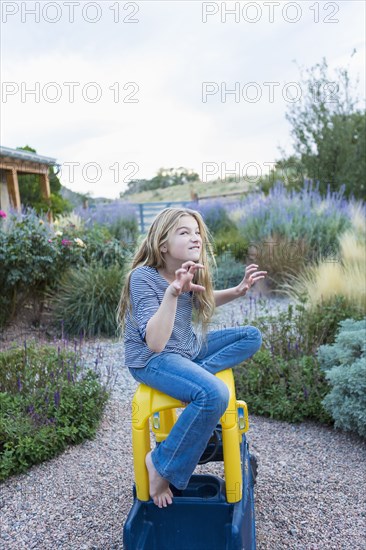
pixel 170 275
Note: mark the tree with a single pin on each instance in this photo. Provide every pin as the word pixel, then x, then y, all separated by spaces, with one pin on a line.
pixel 330 132
pixel 166 177
pixel 172 176
pixel 31 194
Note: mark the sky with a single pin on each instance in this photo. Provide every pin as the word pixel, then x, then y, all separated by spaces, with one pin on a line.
pixel 117 90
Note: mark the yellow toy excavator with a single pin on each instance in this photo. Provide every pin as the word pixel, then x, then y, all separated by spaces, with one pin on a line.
pixel 210 514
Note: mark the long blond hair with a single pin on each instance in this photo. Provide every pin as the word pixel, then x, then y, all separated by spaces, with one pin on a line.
pixel 148 253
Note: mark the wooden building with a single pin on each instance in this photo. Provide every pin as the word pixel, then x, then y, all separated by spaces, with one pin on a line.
pixel 17 161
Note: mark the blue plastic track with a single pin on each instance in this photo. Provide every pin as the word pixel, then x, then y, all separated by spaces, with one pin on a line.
pixel 200 518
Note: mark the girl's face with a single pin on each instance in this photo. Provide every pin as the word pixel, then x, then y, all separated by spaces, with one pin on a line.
pixel 185 242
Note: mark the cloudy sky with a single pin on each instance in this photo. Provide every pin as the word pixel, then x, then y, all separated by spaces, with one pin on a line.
pixel 117 90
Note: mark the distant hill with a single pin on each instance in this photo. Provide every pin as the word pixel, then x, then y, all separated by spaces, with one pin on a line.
pixel 174 193
pixel 184 192
pixel 77 199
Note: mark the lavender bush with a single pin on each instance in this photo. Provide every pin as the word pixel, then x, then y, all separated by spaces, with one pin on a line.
pixel 119 217
pixel 48 400
pixel 215 215
pixel 296 215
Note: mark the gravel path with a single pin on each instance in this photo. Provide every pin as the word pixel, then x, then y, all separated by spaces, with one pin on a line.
pixel 310 491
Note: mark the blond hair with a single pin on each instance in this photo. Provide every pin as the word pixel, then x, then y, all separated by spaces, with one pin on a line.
pixel 148 253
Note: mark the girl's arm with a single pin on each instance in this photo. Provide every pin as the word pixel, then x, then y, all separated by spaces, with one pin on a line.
pixel 224 296
pixel 250 277
pixel 160 326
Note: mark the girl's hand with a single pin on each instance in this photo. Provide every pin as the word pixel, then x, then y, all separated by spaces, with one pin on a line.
pixel 251 276
pixel 183 278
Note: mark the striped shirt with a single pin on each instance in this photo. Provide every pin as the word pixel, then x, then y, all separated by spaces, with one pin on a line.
pixel 147 289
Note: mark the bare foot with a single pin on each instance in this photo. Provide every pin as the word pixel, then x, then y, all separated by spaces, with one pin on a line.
pixel 159 487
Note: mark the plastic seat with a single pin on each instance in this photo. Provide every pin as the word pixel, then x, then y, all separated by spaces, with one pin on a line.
pixel 153 408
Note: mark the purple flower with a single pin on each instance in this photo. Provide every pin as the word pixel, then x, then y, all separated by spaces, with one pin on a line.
pixel 109 214
pixel 57 398
pixel 2 214
pixel 293 214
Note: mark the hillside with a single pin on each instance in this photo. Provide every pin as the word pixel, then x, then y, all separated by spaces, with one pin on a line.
pixel 173 193
pixel 76 199
pixel 183 192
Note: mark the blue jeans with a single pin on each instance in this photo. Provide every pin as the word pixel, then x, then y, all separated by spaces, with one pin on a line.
pixel 193 382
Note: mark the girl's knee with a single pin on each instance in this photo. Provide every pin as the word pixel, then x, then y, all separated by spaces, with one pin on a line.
pixel 258 337
pixel 216 396
pixel 224 392
pixel 254 335
pixel 225 398
pixel 221 396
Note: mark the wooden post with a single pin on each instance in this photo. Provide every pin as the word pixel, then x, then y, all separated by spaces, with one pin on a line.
pixel 141 210
pixel 193 193
pixel 45 185
pixel 46 192
pixel 13 188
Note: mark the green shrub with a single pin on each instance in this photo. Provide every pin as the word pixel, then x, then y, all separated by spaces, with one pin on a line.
pixel 96 243
pixel 86 300
pixel 229 272
pixel 5 307
pixel 302 330
pixel 125 230
pixel 26 256
pixel 344 363
pixel 34 257
pixel 48 400
pixel 284 379
pixel 289 390
pixel 349 344
pixel 107 254
pixel 216 217
pixel 231 243
pixel 320 323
